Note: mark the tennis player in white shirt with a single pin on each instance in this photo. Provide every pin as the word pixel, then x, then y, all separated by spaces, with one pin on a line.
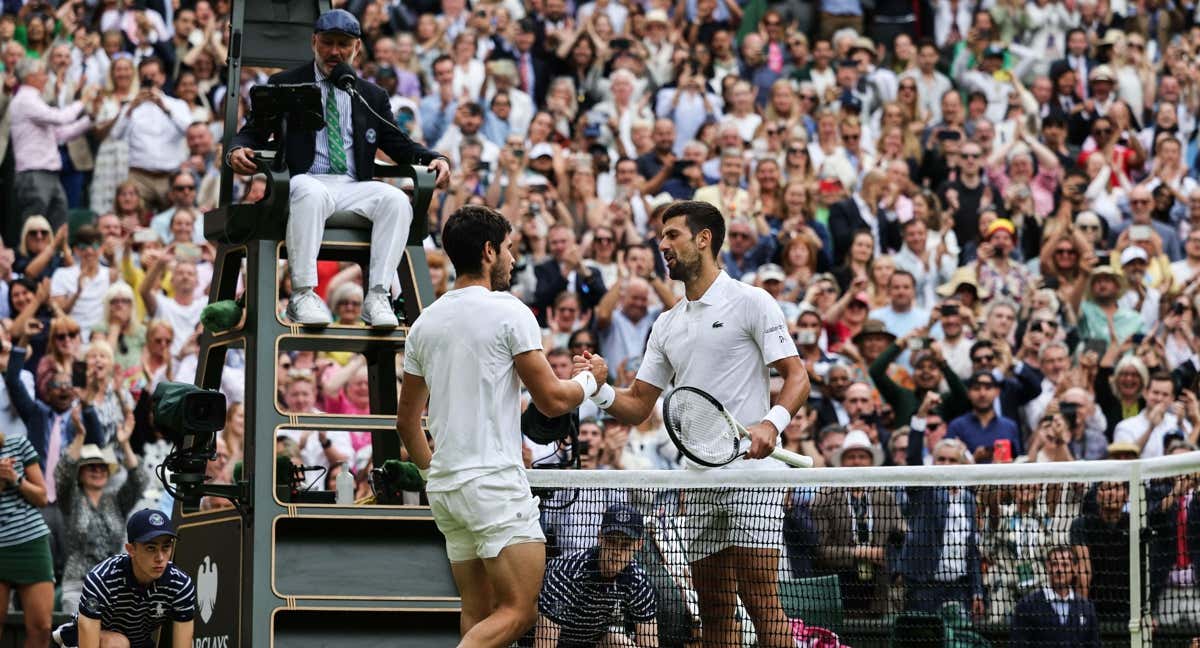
pixel 467 354
pixel 722 339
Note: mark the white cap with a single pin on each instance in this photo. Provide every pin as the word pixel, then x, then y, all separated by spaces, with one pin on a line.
pixel 858 440
pixel 1133 253
pixel 656 15
pixel 541 149
pixel 771 272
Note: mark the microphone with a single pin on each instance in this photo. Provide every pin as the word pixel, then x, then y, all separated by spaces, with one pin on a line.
pixel 343 76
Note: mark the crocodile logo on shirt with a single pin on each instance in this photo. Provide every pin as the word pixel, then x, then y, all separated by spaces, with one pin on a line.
pixel 718 324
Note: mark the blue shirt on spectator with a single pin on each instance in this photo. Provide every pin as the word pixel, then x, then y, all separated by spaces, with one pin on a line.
pixel 968 429
pixel 761 253
pixel 435 120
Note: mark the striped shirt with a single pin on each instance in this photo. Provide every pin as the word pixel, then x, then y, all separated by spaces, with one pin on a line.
pixel 345 113
pixel 113 596
pixel 584 605
pixel 20 522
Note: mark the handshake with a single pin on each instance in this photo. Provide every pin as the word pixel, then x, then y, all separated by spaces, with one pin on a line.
pixel 596 365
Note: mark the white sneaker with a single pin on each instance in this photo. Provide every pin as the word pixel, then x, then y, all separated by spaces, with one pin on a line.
pixel 377 310
pixel 308 309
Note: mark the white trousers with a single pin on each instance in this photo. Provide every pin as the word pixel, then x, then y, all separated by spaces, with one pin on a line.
pixel 314 198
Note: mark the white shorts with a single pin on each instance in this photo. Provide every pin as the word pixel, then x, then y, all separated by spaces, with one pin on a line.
pixel 715 519
pixel 487 514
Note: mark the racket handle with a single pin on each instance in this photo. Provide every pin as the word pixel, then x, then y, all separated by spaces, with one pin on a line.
pixel 792 458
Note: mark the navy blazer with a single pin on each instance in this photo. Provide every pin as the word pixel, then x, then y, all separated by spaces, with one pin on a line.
pixel 369 134
pixel 925 510
pixel 1035 624
pixel 1164 522
pixel 551 282
pixel 39 418
pixel 845 220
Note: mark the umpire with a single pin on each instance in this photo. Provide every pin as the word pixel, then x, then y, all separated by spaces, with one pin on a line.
pixel 590 597
pixel 128 597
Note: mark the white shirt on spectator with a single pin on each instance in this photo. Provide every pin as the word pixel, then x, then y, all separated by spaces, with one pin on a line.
pixel 617 14
pixel 952 565
pixel 1131 429
pixel 183 319
pixel 37 129
pixel 154 144
pixel 688 115
pixel 312 454
pixel 10 420
pixel 89 307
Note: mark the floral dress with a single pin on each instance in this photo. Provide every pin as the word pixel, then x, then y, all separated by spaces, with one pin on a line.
pixel 112 161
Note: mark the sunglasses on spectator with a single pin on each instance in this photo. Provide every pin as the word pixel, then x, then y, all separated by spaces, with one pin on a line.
pixel 67 335
pixel 603 239
pixel 1070 251
pixel 38 233
pixel 981 358
pixel 972 156
pixel 583 344
pixel 808 97
pixel 907 86
pixel 1089 228
pixel 933 425
pixel 190 187
pixel 86 246
pixel 1139 201
pixel 120 300
pixel 772 23
pixel 851 136
pixel 1102 131
pixel 797 149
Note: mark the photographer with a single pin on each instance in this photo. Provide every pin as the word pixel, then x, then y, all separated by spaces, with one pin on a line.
pixel 1165 415
pixel 929 369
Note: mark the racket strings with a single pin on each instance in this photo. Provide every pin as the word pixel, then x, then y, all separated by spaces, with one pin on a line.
pixel 702 428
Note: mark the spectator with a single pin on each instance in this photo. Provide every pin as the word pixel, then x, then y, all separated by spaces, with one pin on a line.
pixel 1058 614
pixel 566 271
pixel 624 318
pixel 861 212
pixel 157 143
pixel 1101 543
pixel 929 370
pixel 37 131
pixel 41 250
pixel 26 566
pixel 940 560
pixel 1101 316
pixel 901 316
pixel 78 290
pixel 93 516
pixel 317 447
pixel 859 547
pixel 182 311
pixel 748 249
pixel 183 198
pixel 1151 428
pixel 981 428
pixel 111 163
pixel 728 195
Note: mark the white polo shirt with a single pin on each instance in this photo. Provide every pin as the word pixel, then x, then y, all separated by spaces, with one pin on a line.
pixel 463 345
pixel 722 344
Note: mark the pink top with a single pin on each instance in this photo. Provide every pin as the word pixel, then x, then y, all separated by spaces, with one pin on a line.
pixel 38 129
pixel 341 404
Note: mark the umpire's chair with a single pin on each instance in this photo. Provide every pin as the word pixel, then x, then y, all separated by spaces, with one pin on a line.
pixel 292 556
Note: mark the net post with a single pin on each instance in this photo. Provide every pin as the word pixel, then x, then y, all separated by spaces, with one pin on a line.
pixel 1137 504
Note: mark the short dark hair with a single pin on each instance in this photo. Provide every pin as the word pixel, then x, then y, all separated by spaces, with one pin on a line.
pixel 443 57
pixel 903 273
pixel 466 233
pixel 1161 376
pixel 980 344
pixel 700 216
pixel 151 60
pixel 86 235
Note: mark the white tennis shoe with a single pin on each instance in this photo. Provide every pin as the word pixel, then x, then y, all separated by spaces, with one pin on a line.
pixel 377 309
pixel 308 309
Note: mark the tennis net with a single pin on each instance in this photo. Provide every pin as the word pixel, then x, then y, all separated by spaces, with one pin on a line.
pixel 963 556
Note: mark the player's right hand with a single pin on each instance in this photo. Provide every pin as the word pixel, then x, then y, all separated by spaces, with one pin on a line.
pixel 593 363
pixel 241 160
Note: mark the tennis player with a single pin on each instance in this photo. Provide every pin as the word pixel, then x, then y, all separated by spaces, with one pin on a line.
pixel 464 354
pixel 721 338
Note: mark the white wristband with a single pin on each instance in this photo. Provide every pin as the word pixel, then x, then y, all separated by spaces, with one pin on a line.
pixel 588 382
pixel 604 397
pixel 424 473
pixel 779 417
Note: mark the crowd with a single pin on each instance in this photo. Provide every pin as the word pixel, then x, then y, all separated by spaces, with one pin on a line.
pixel 979 219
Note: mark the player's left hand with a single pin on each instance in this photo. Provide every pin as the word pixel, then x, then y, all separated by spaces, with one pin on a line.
pixel 762 440
pixel 442 168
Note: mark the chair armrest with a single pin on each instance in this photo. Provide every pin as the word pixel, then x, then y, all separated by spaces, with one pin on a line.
pixel 240 222
pixel 424 183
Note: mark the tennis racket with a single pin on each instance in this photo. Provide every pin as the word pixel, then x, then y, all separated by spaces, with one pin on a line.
pixel 705 432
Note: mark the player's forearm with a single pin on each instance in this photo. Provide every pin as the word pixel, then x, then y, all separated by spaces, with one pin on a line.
pixel 561 398
pixel 89 632
pixel 796 387
pixel 415 443
pixel 628 408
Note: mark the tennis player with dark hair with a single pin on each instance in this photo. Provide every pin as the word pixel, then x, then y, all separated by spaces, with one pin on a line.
pixel 722 338
pixel 128 597
pixel 467 355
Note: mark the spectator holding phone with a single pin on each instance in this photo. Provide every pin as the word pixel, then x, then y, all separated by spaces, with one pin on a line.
pixel 78 289
pixel 157 142
pixel 982 427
